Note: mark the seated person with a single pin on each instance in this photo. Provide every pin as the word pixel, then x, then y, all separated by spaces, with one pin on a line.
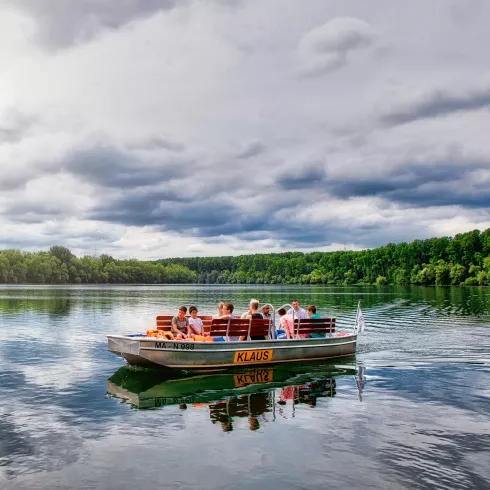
pixel 227 315
pixel 227 311
pixel 285 323
pixel 180 324
pixel 299 313
pixel 266 313
pixel 253 312
pixel 311 310
pixel 195 323
pixel 219 310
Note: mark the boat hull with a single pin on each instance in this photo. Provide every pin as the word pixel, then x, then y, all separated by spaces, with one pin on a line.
pixel 151 352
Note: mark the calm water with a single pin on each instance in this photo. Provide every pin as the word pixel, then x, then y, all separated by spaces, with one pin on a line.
pixel 412 410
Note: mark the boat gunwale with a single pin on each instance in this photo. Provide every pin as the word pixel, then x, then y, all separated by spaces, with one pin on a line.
pixel 253 348
pixel 234 345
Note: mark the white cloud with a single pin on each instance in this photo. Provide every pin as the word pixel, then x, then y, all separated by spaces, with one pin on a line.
pixel 326 48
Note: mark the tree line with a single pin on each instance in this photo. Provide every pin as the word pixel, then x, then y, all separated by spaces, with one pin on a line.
pixel 460 260
pixel 60 266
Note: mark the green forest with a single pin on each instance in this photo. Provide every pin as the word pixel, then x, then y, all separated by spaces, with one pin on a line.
pixel 60 266
pixel 460 260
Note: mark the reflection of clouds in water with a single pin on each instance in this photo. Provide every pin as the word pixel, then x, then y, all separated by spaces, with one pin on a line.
pixel 380 442
pixel 35 441
pixel 433 454
pixel 462 386
pixel 44 430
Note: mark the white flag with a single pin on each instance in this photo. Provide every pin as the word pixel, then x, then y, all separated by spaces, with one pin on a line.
pixel 360 322
pixel 360 325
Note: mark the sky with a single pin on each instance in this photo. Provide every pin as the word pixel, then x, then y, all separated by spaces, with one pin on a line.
pixel 170 128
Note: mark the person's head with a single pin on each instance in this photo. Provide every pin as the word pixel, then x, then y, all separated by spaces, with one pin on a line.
pixel 219 308
pixel 254 304
pixel 311 310
pixel 228 308
pixel 193 311
pixel 295 304
pixel 182 311
pixel 266 310
pixel 281 311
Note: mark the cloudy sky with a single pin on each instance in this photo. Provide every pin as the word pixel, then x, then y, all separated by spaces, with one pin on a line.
pixel 209 127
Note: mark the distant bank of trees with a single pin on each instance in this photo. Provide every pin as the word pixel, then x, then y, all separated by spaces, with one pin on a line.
pixel 462 260
pixel 60 266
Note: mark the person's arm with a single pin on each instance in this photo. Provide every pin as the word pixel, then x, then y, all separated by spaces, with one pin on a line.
pixel 174 328
pixel 191 329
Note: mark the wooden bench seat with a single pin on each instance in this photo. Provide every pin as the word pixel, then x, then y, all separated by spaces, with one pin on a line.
pixel 164 322
pixel 241 327
pixel 307 326
pixel 245 327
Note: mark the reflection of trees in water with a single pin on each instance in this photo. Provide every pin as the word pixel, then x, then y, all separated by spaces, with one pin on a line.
pixel 264 407
pixel 53 306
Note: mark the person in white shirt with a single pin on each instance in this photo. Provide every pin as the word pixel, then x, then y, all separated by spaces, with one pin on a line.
pixel 299 313
pixel 195 323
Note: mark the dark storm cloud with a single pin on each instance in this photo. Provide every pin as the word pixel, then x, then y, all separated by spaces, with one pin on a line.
pixel 438 103
pixel 111 167
pixel 65 22
pixel 438 183
pixel 174 212
pixel 29 212
pixel 309 176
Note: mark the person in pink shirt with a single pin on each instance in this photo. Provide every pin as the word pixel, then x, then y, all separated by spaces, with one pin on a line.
pixel 286 323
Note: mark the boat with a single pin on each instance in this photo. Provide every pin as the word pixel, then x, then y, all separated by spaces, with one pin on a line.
pixel 313 340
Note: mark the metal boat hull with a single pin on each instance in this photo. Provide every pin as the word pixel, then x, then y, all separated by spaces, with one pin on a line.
pixel 147 351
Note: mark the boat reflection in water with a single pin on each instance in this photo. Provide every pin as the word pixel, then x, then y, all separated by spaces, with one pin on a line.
pixel 260 395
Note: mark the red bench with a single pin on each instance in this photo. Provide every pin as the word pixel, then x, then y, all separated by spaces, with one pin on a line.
pixel 307 326
pixel 241 327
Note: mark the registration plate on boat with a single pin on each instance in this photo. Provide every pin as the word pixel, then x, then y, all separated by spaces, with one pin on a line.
pixel 251 356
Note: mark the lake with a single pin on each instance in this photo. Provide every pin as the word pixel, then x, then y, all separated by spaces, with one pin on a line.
pixel 411 410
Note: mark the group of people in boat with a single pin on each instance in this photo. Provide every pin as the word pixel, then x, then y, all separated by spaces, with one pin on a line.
pixel 189 326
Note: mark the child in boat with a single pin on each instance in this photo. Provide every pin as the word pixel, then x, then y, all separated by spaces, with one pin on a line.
pixel 227 315
pixel 286 324
pixel 311 310
pixel 227 311
pixel 180 324
pixel 195 323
